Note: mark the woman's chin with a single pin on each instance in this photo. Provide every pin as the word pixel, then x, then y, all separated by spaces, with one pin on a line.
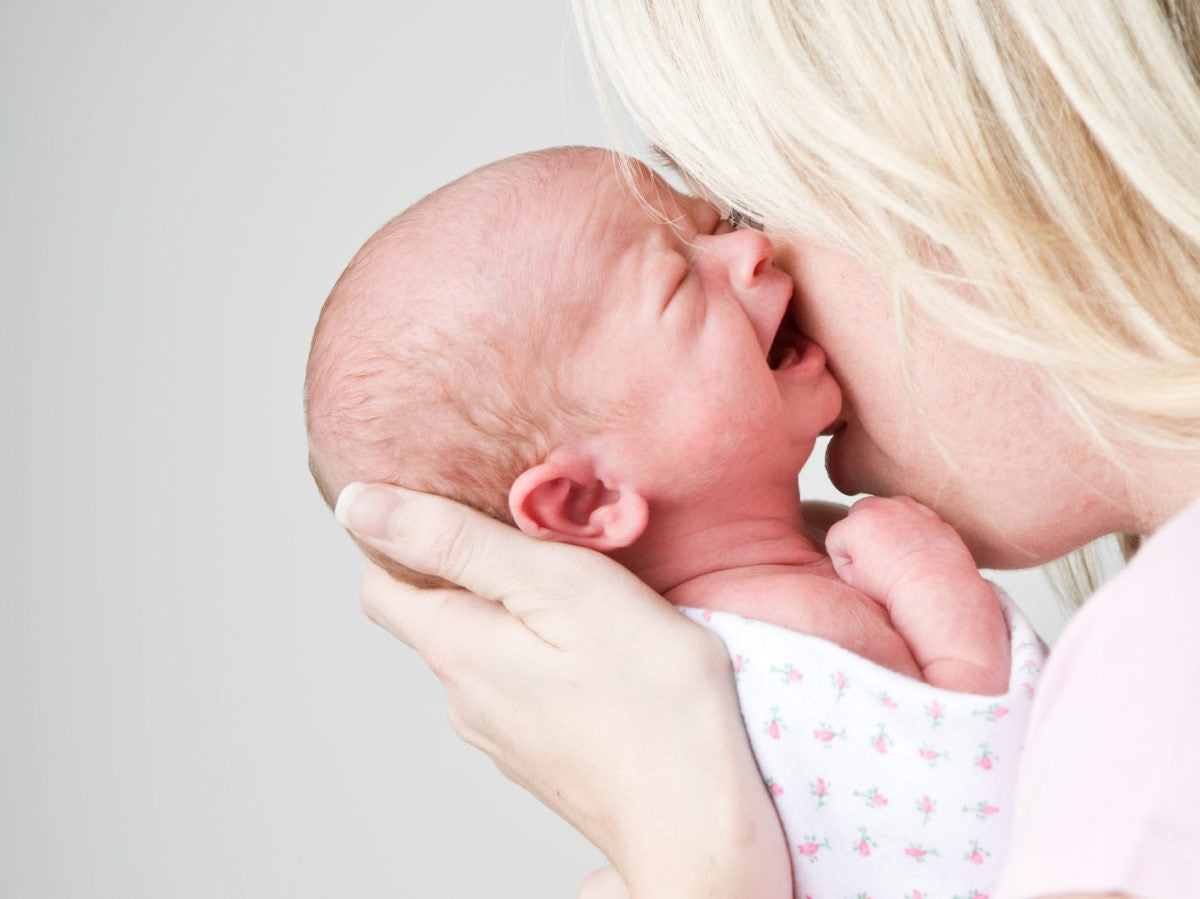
pixel 842 473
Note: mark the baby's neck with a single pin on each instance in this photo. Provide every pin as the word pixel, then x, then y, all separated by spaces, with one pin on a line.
pixel 692 562
pixel 767 569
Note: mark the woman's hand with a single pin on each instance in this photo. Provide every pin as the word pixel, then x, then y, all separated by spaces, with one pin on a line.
pixel 586 688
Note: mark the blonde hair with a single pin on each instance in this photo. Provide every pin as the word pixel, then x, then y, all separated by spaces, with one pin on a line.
pixel 1024 171
pixel 1048 150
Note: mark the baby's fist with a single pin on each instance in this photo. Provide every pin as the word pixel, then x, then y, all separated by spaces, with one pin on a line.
pixel 888 541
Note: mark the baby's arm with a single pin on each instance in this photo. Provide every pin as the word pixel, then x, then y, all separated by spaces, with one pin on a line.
pixel 902 555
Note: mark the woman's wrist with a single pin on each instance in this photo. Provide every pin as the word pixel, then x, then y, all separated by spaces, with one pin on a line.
pixel 744 858
pixel 721 838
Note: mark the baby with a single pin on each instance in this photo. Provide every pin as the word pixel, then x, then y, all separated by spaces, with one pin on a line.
pixel 616 368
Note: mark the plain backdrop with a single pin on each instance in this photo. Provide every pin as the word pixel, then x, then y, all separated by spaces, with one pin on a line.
pixel 191 703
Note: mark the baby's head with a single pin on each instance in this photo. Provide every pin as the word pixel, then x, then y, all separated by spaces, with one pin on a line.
pixel 441 359
pixel 539 341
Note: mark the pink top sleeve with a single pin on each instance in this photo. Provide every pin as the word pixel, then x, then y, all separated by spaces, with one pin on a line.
pixel 1108 796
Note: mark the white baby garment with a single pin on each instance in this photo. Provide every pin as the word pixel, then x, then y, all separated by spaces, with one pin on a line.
pixel 887 788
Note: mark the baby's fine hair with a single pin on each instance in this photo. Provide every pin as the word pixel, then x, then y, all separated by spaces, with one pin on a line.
pixel 1025 171
pixel 438 362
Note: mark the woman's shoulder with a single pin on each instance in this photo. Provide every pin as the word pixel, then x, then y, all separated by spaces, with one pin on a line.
pixel 1158 591
pixel 1172 551
pixel 1149 610
pixel 1106 793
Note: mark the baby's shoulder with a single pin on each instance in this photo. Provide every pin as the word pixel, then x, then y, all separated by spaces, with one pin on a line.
pixel 815 604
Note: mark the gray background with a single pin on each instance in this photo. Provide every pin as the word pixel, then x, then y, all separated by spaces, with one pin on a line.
pixel 191 703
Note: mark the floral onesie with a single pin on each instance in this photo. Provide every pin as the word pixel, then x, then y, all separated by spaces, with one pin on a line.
pixel 887 788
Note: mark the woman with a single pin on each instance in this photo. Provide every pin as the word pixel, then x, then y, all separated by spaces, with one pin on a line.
pixel 993 219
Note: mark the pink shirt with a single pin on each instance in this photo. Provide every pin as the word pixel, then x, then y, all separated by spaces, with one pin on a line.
pixel 1108 796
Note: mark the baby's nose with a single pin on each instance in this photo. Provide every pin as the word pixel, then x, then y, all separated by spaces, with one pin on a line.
pixel 745 255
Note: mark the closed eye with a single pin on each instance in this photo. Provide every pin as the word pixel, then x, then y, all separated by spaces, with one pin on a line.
pixel 674 279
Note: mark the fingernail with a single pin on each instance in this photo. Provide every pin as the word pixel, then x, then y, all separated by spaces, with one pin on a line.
pixel 367 509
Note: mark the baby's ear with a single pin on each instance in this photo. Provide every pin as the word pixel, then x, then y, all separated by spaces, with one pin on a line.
pixel 563 499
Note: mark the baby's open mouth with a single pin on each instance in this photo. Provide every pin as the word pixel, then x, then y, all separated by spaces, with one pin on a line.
pixel 788 348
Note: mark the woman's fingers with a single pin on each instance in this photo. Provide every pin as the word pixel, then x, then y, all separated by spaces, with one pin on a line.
pixel 546 585
pixel 466 641
pixel 445 539
pixel 412 615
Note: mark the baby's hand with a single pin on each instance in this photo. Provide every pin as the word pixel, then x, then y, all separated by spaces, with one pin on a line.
pixel 902 555
pixel 887 541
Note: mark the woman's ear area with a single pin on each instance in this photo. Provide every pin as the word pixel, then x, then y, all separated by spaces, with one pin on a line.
pixel 564 499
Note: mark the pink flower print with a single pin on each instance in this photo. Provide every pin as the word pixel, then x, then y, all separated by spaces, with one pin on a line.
pixel 874 798
pixel 976 854
pixel 881 741
pixel 931 755
pixel 839 681
pixel 935 712
pixel 993 712
pixel 788 674
pixel 918 852
pixel 707 616
pixel 820 790
pixel 810 847
pixel 926 807
pixel 987 759
pixel 864 844
pixel 982 810
pixel 888 702
pixel 775 727
pixel 739 663
pixel 825 735
pixel 773 788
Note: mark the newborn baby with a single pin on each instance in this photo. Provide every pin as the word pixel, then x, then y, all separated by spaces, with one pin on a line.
pixel 566 343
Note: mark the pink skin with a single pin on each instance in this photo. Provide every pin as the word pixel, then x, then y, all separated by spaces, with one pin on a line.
pixel 1024 485
pixel 905 557
pixel 687 335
